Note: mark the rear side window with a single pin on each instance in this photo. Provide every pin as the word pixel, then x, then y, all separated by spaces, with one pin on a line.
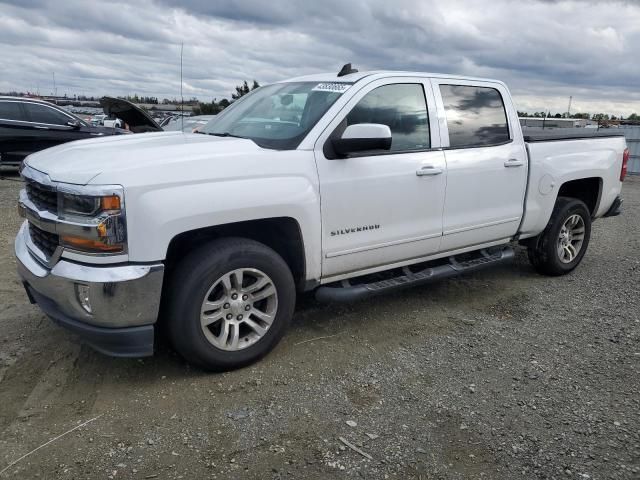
pixel 475 116
pixel 43 114
pixel 11 111
pixel 403 108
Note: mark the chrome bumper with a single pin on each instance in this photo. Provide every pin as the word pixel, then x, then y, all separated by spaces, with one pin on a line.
pixel 118 296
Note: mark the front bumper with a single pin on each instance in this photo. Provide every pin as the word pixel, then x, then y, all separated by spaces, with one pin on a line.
pixel 123 300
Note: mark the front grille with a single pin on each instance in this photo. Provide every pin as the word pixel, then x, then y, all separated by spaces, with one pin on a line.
pixel 45 198
pixel 45 241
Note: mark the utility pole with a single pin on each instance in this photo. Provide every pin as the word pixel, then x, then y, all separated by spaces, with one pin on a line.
pixel 569 109
pixel 55 89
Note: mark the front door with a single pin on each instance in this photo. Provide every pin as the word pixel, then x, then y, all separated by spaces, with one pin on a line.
pixel 14 132
pixel 383 207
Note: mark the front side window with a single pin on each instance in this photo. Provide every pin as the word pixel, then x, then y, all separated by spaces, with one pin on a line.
pixel 475 116
pixel 403 108
pixel 43 114
pixel 277 116
pixel 11 111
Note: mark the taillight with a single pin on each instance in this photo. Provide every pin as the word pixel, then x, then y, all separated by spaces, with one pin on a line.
pixel 625 160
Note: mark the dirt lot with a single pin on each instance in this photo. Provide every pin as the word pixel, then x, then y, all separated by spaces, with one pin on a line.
pixel 500 375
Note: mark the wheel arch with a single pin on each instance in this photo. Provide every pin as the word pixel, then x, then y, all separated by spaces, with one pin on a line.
pixel 588 190
pixel 282 234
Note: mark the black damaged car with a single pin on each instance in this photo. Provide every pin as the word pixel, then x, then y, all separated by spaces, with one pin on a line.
pixel 28 125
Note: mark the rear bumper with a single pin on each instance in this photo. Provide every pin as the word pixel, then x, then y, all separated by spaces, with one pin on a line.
pixel 615 209
pixel 114 308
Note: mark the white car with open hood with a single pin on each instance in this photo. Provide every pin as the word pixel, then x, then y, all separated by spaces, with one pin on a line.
pixel 350 185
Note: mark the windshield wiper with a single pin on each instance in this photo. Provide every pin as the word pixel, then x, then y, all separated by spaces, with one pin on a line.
pixel 224 134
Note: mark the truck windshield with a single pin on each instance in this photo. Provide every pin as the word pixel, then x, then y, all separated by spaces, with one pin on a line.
pixel 276 116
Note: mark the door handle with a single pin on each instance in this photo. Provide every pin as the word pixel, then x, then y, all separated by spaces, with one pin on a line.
pixel 40 127
pixel 513 162
pixel 428 170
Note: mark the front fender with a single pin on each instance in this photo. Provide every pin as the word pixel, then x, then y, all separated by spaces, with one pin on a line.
pixel 156 215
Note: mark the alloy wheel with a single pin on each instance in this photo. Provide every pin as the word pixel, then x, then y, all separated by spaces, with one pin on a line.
pixel 238 309
pixel 571 238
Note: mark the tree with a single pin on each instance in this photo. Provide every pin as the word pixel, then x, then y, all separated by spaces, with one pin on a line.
pixel 213 108
pixel 634 117
pixel 586 116
pixel 204 108
pixel 243 89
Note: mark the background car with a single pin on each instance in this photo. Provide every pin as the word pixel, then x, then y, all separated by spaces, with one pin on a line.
pixel 97 120
pixel 188 124
pixel 131 117
pixel 29 125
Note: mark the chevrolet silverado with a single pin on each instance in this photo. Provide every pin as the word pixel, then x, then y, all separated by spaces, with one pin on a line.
pixel 350 185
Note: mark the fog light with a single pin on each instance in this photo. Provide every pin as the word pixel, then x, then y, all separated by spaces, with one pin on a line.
pixel 82 292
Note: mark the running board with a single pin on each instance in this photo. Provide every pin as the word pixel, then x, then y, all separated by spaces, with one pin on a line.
pixel 346 291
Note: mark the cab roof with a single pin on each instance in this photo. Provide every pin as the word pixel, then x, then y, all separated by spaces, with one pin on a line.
pixel 377 74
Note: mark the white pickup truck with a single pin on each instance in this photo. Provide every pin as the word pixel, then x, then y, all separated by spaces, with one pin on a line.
pixel 350 185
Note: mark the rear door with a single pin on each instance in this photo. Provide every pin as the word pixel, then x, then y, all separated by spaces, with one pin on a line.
pixel 383 207
pixel 486 163
pixel 14 132
pixel 50 126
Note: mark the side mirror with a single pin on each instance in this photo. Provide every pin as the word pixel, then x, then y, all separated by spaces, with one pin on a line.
pixel 362 137
pixel 73 124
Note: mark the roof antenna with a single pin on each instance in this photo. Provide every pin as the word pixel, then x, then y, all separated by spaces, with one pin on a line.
pixel 181 97
pixel 346 70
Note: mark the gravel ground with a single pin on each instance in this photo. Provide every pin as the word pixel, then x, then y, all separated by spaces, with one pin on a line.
pixel 499 375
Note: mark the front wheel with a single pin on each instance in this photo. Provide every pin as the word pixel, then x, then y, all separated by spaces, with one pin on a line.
pixel 230 303
pixel 560 247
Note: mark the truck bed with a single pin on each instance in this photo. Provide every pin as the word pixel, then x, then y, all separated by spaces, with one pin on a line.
pixel 532 135
pixel 556 158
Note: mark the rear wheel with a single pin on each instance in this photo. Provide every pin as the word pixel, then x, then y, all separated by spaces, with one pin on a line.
pixel 230 303
pixel 562 245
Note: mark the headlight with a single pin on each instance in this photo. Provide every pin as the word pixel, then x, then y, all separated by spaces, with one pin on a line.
pixel 93 222
pixel 79 204
pixel 71 204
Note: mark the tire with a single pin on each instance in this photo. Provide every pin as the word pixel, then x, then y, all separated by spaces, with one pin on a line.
pixel 211 273
pixel 547 254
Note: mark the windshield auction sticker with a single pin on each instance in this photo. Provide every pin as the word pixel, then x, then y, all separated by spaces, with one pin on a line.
pixel 331 87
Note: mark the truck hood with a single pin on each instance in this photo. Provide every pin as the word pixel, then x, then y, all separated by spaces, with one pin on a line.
pixel 112 157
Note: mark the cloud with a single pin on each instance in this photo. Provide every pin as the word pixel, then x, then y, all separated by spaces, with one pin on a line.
pixel 544 50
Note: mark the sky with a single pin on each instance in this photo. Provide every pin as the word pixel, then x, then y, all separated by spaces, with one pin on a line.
pixel 545 50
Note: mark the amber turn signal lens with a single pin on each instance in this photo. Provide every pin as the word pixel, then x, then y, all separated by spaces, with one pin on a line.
pixel 111 202
pixel 90 245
